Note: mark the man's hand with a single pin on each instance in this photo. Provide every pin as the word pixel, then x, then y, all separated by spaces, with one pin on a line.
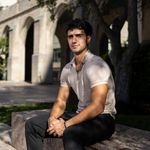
pixel 56 126
pixel 51 122
pixel 60 127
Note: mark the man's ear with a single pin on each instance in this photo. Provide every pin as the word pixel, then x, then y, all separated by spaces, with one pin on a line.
pixel 88 39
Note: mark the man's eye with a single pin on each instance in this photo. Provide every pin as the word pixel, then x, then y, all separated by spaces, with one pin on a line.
pixel 75 35
pixel 70 36
pixel 79 35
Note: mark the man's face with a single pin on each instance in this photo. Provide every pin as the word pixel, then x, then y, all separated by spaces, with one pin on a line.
pixel 77 40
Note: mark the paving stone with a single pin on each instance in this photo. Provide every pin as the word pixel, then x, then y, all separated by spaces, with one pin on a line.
pixel 17 93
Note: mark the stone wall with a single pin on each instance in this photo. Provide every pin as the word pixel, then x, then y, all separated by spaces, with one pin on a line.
pixel 17 19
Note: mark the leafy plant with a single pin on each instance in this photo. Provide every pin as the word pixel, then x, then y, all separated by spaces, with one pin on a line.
pixel 3 57
pixel 6 110
pixel 51 4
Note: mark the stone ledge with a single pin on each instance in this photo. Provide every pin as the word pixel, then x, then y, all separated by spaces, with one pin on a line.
pixel 18 127
pixel 5 133
pixel 4 146
pixel 125 138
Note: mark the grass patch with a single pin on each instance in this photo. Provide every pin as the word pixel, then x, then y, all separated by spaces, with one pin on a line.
pixel 6 110
pixel 136 121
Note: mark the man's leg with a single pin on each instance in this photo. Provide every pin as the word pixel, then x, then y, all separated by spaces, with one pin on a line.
pixel 35 131
pixel 89 132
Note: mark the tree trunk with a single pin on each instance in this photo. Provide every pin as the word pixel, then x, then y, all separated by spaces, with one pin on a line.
pixel 115 54
pixel 124 71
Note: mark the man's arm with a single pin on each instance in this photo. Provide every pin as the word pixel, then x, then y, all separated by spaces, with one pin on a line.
pixel 60 103
pixel 96 107
pixel 58 108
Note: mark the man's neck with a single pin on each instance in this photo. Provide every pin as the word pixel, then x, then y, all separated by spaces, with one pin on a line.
pixel 79 58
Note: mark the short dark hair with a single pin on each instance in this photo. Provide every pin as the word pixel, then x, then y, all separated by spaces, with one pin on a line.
pixel 80 24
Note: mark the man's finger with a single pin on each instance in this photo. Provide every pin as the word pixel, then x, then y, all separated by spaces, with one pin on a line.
pixel 50 128
pixel 54 134
pixel 51 132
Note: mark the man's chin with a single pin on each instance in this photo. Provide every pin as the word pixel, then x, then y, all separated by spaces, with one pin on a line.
pixel 77 52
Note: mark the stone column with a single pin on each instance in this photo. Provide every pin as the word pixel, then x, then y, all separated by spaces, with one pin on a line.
pixel 9 68
pixel 45 54
pixel 15 58
pixel 35 56
pixel 12 59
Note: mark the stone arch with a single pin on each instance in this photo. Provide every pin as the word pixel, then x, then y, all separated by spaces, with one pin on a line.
pixel 5 34
pixel 28 22
pixel 28 41
pixel 61 9
pixel 64 16
pixel 6 31
pixel 57 28
pixel 56 58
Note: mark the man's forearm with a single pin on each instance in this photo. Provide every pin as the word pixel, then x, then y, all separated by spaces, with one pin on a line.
pixel 57 110
pixel 89 112
pixel 56 125
pixel 60 103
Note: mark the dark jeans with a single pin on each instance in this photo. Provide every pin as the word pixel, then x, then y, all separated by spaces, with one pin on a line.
pixel 75 137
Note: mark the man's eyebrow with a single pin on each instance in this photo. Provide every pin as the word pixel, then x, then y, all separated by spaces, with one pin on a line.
pixel 78 34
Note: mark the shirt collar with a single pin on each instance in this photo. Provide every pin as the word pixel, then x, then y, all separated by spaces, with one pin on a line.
pixel 72 62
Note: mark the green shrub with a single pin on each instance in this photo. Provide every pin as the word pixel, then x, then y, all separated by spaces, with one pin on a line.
pixel 3 58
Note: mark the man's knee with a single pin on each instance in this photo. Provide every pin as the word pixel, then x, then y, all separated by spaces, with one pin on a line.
pixel 71 139
pixel 70 133
pixel 29 125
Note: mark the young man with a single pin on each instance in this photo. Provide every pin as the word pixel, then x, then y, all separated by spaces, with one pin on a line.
pixel 92 81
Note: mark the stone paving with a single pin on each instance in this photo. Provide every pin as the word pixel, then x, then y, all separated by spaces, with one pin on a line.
pixel 18 93
pixel 15 93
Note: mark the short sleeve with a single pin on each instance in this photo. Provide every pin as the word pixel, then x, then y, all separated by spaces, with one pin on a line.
pixel 64 77
pixel 98 73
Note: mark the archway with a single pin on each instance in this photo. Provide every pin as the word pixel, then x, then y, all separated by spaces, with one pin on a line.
pixel 64 53
pixel 56 59
pixel 4 53
pixel 29 52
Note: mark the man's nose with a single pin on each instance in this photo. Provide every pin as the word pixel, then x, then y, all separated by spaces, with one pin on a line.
pixel 74 39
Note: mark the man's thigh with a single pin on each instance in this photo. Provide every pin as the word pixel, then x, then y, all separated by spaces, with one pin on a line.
pixel 39 123
pixel 92 131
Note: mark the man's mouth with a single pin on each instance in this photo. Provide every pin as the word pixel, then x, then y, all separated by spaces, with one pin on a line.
pixel 74 46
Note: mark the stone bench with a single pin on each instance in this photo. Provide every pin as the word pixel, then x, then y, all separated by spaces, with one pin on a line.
pixel 124 138
pixel 5 146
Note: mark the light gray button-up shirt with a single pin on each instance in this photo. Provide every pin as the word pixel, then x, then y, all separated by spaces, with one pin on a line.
pixel 94 72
